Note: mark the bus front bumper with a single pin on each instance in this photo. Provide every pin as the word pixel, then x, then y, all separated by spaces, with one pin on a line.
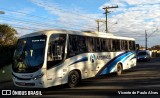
pixel 39 83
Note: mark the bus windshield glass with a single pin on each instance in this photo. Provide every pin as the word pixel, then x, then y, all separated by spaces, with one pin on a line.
pixel 29 54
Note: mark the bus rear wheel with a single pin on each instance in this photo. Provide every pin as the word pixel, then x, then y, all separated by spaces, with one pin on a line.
pixel 119 69
pixel 73 79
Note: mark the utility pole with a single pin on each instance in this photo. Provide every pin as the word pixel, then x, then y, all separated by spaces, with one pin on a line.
pixel 98 22
pixel 145 39
pixel 106 12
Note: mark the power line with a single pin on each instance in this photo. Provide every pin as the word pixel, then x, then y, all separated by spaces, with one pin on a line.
pixel 44 17
pixel 26 21
pixel 153 33
pixel 19 21
pixel 30 15
pixel 89 18
pixel 32 22
pixel 65 11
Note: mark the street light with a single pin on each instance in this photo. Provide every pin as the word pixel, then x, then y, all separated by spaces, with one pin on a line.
pixel 1 12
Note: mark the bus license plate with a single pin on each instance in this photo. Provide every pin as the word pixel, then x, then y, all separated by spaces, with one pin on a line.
pixel 21 83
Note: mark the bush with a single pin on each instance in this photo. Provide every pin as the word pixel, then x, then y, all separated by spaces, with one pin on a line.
pixel 6 55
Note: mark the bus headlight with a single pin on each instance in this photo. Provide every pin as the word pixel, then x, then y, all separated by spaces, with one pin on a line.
pixel 38 76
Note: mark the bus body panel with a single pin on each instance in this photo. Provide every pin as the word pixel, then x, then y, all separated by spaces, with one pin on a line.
pixel 54 76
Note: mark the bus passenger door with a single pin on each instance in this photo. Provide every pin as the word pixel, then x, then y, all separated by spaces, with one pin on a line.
pixel 53 78
pixel 55 57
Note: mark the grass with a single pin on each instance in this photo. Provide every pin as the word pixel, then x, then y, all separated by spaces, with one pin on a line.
pixel 6 73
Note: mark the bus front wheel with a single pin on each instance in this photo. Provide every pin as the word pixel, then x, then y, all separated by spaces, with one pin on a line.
pixel 73 79
pixel 119 69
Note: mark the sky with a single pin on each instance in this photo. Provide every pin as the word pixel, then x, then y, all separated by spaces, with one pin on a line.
pixel 130 19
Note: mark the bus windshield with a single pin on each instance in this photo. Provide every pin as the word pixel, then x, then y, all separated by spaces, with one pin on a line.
pixel 29 54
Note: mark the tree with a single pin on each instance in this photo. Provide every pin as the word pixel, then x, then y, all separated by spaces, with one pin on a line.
pixel 7 35
pixel 156 47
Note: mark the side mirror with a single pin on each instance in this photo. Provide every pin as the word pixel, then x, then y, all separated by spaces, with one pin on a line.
pixel 137 47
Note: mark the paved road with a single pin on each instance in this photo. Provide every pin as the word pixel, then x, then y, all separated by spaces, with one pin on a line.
pixel 144 77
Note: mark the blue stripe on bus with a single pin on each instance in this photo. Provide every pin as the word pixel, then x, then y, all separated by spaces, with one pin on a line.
pixel 108 63
pixel 111 61
pixel 111 64
pixel 123 60
pixel 80 60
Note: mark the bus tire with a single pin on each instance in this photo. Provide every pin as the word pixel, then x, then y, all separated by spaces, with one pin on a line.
pixel 119 69
pixel 73 79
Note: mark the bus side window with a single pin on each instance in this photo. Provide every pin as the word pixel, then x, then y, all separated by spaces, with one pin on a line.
pixel 97 45
pixel 123 45
pixel 117 45
pixel 82 44
pixel 93 47
pixel 73 43
pixel 131 45
pixel 90 44
pixel 103 45
pixel 87 44
pixel 108 45
pixel 77 45
pixel 126 45
pixel 110 42
pixel 71 46
pixel 114 45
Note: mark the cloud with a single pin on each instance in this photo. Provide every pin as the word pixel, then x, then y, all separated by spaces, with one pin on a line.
pixel 133 17
pixel 25 20
pixel 120 3
pixel 143 2
pixel 73 18
pixel 21 13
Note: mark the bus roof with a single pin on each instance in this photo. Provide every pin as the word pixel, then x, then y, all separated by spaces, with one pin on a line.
pixel 83 33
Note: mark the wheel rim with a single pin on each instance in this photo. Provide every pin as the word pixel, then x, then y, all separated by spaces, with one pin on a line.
pixel 73 78
pixel 119 69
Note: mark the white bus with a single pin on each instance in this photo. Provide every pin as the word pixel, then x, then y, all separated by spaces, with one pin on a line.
pixel 54 57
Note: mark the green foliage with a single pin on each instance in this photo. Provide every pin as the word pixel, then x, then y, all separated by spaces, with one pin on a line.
pixel 7 35
pixel 8 40
pixel 156 47
pixel 6 55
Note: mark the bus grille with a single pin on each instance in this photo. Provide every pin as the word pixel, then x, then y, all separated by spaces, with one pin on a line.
pixel 21 78
pixel 25 84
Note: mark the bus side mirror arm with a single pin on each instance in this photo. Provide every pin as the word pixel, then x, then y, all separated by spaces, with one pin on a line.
pixel 137 47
